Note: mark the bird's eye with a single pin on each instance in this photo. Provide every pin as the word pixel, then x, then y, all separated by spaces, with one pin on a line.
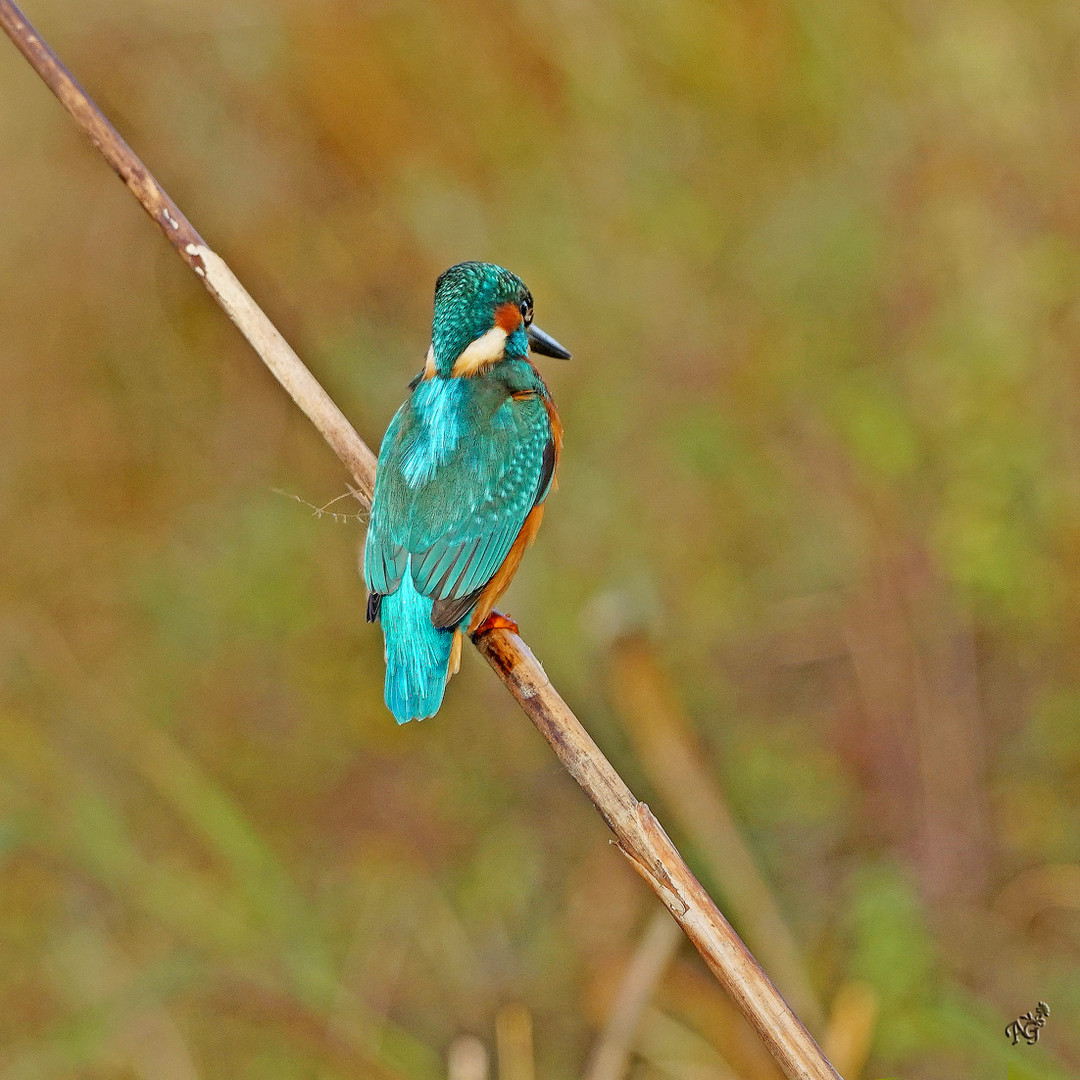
pixel 526 311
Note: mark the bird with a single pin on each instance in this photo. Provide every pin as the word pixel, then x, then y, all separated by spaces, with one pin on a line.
pixel 463 473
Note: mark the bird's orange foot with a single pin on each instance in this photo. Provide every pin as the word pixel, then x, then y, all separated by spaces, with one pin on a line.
pixel 495 621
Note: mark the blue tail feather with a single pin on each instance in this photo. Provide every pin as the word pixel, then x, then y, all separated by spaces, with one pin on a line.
pixel 417 654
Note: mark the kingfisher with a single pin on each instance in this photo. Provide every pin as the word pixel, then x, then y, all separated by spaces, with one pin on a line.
pixel 463 472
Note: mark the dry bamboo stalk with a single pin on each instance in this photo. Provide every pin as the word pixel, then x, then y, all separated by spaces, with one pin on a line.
pixel 853 1020
pixel 639 834
pixel 672 759
pixel 657 948
pixel 657 860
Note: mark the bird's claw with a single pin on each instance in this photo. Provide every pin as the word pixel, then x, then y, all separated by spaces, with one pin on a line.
pixel 496 621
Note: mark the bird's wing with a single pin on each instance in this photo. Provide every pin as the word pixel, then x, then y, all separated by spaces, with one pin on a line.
pixel 508 474
pixel 456 527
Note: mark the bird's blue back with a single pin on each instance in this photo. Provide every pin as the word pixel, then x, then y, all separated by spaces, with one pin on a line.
pixel 462 464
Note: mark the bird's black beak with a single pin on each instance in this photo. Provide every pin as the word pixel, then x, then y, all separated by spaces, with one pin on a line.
pixel 546 345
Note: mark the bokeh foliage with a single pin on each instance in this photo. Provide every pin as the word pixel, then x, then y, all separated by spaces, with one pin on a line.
pixel 818 263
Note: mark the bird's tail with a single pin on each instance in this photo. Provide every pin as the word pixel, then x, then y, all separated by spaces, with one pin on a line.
pixel 417 654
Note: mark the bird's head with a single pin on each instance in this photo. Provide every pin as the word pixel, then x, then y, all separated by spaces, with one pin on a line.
pixel 483 314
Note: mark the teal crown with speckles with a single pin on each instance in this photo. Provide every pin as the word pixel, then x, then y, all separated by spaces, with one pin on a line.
pixel 466 297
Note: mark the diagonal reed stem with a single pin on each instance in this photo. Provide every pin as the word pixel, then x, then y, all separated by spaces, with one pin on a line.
pixel 674 763
pixel 637 831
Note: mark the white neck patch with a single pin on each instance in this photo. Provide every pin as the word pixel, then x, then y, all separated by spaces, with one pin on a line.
pixel 486 350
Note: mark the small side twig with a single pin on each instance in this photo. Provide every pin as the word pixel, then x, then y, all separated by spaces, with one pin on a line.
pixel 639 833
pixel 324 511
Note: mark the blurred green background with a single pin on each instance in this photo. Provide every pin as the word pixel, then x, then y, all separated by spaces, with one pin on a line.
pixel 818 264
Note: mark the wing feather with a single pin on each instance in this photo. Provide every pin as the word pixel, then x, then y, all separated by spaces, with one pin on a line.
pixel 452 523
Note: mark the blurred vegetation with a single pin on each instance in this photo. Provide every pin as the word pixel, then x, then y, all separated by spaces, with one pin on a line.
pixel 818 263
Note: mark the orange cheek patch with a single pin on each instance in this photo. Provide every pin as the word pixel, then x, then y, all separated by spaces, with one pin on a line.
pixel 508 317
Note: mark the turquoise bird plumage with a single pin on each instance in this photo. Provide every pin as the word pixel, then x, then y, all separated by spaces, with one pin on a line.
pixel 464 469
